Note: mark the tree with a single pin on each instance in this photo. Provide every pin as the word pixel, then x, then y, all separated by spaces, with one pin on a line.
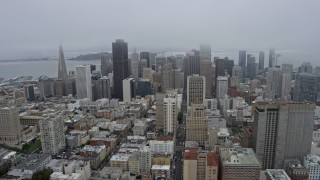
pixel 42 175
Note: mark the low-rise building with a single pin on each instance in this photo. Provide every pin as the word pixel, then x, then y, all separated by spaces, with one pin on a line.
pixel 296 171
pixel 276 174
pixel 95 154
pixel 120 161
pixel 161 147
pixel 161 171
pixel 239 163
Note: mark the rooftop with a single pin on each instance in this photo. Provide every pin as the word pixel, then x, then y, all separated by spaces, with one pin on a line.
pixel 238 157
pixel 190 154
pixel 277 174
pixel 32 162
pixel 120 157
pixel 212 159
pixel 161 167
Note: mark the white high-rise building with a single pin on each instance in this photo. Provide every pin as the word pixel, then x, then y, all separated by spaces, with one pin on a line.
pixel 10 133
pixel 129 89
pixel 83 82
pixel 170 113
pixel 52 134
pixel 274 79
pixel 222 87
pixel 196 89
pixel 286 80
pixel 135 65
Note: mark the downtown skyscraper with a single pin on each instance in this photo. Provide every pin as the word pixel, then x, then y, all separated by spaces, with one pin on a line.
pixel 62 69
pixel 120 66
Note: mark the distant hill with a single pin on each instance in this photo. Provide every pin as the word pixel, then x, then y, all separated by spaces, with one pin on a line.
pixel 93 56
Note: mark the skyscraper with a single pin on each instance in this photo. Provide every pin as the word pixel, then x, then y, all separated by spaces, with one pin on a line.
pixel 52 135
pixel 205 52
pixel 274 78
pixel 106 66
pixel 252 67
pixel 197 124
pixel 261 61
pixel 207 71
pixel 306 88
pixel 129 89
pixel 29 92
pixel 167 81
pixel 237 73
pixel 104 89
pixel 228 65
pixel 196 89
pixel 62 69
pixel 45 87
pixel 170 113
pixel 222 86
pixel 135 65
pixel 145 55
pixel 286 80
pixel 10 133
pixel 142 64
pixel 120 66
pixel 220 67
pixel 272 58
pixel 242 58
pixel 83 82
pixel 282 131
pixel 152 57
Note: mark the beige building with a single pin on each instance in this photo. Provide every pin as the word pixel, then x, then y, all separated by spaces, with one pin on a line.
pixel 207 71
pixel 196 88
pixel 197 124
pixel 120 161
pixel 200 165
pixel 239 164
pixel 10 133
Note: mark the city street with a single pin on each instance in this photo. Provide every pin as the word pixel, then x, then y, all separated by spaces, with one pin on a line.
pixel 179 153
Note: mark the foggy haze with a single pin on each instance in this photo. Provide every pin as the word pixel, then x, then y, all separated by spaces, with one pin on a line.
pixel 35 28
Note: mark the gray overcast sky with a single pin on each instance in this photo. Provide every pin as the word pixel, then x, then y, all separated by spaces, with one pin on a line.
pixel 36 27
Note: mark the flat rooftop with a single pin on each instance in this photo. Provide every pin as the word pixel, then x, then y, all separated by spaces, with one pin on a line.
pixel 277 174
pixel 238 157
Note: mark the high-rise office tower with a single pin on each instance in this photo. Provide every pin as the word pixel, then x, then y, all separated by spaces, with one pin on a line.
pixel 177 79
pixel 120 66
pixel 62 69
pixel 205 52
pixel 207 71
pixel 228 65
pixel 239 164
pixel 59 87
pixel 242 58
pixel 197 124
pixel 83 82
pixel 142 64
pixel 272 58
pixel 196 89
pixel 261 61
pixel 129 89
pixel 70 86
pixel 52 134
pixel 286 80
pixel 10 133
pixel 220 67
pixel 152 60
pixel 237 73
pixel 180 58
pixel 159 110
pixel 305 68
pixel 45 87
pixel 282 131
pixel 160 59
pixel 170 113
pixel 104 89
pixel 144 88
pixel 29 92
pixel 145 55
pixel 274 78
pixel 135 65
pixel 222 86
pixel 306 88
pixel 173 61
pixel 252 67
pixel 106 66
pixel 166 76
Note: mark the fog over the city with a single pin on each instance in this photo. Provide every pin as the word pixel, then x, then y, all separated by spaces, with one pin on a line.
pixel 35 28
